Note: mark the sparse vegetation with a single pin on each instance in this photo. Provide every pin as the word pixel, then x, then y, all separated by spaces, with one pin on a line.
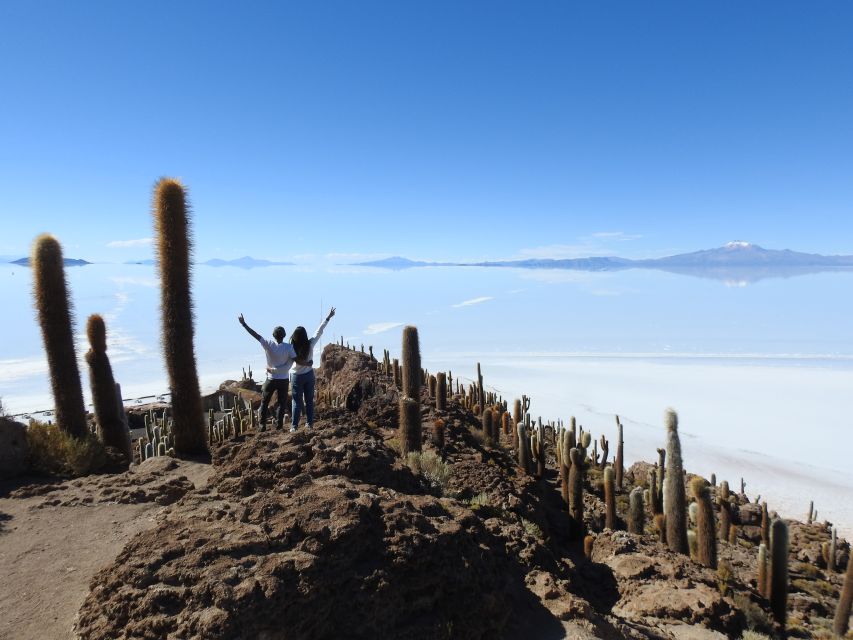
pixel 56 452
pixel 432 468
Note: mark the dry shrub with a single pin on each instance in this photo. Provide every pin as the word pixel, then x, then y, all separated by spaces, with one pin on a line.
pixel 55 452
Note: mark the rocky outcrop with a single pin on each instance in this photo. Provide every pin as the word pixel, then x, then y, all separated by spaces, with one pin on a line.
pixel 13 448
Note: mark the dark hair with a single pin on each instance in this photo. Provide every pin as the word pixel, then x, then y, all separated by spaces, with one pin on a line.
pixel 278 333
pixel 299 340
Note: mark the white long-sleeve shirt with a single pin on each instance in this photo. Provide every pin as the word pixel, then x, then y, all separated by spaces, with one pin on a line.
pixel 280 355
pixel 297 368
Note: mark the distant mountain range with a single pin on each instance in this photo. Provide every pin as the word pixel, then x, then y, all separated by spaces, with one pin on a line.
pixel 68 262
pixel 246 262
pixel 736 262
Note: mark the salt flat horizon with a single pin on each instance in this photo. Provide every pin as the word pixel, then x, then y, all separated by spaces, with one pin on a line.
pixel 760 375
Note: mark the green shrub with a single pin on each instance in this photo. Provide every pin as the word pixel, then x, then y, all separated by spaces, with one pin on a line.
pixel 432 468
pixel 54 451
pixel 753 635
pixel 531 528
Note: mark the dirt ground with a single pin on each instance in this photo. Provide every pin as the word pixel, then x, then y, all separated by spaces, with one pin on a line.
pixel 53 541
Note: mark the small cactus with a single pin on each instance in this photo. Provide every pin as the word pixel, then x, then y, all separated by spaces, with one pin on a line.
pixel 660 527
pixel 636 512
pixel 706 531
pixel 588 543
pixel 765 524
pixel 654 497
pixel 438 427
pixel 762 570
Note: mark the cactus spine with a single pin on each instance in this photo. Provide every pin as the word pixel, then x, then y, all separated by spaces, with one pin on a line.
pixel 841 622
pixel 673 489
pixel 636 512
pixel 576 493
pixel 778 587
pixel 55 313
pixel 706 531
pixel 173 248
pixel 108 411
pixel 441 391
pixel 609 499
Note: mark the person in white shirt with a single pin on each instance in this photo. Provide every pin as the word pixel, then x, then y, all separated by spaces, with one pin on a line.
pixel 280 356
pixel 302 373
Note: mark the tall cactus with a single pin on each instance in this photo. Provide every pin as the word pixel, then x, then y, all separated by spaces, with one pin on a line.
pixel 486 423
pixel 841 623
pixel 609 499
pixel 441 391
pixel 523 447
pixel 108 412
pixel 725 510
pixel 411 370
pixel 619 463
pixel 778 587
pixel 674 505
pixel 55 312
pixel 410 426
pixel 576 493
pixel 516 419
pixel 706 531
pixel 173 248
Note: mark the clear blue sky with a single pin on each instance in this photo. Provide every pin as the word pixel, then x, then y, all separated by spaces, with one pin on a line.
pixel 446 130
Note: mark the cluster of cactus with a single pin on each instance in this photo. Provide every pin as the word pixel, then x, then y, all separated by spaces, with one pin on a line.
pixel 159 436
pixel 233 423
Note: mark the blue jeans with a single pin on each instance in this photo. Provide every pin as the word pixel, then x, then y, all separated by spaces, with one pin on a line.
pixel 302 390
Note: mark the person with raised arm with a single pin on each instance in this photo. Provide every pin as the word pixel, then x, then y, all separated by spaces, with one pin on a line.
pixel 302 373
pixel 280 356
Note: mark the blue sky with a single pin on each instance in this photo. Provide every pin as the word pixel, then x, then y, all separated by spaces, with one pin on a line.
pixel 439 130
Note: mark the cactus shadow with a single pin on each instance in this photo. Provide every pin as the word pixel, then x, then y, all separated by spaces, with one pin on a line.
pixel 4 518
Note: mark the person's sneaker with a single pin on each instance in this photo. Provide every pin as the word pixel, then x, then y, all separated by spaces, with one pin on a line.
pixel 292 429
pixel 309 426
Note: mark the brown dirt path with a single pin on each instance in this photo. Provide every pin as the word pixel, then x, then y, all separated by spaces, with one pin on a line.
pixel 53 542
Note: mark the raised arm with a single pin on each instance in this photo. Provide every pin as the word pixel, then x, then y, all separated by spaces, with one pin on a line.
pixel 320 329
pixel 251 331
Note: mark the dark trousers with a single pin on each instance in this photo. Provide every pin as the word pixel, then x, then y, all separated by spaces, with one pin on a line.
pixel 280 388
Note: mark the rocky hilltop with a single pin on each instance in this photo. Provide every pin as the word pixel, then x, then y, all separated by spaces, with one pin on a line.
pixel 329 533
